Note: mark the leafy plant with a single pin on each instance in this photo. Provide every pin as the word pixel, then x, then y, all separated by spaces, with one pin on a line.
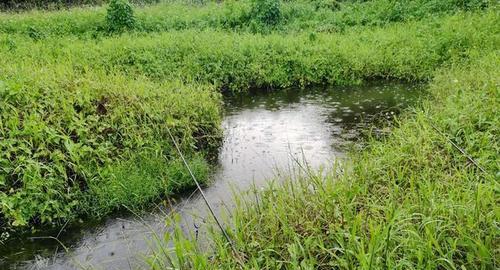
pixel 326 4
pixel 266 12
pixel 120 16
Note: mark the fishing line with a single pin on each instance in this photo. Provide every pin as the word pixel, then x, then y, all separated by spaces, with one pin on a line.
pixel 219 224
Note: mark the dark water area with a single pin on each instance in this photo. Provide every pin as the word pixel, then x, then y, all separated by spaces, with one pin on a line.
pixel 264 136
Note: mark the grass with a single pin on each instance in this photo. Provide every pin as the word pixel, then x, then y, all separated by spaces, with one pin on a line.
pixel 234 16
pixel 409 201
pixel 237 62
pixel 81 143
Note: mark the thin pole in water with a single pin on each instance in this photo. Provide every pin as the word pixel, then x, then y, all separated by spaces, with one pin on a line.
pixel 201 191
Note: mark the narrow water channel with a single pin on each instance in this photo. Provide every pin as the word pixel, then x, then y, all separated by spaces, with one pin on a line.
pixel 263 133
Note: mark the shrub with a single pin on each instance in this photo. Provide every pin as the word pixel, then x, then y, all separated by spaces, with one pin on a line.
pixel 120 16
pixel 326 4
pixel 266 12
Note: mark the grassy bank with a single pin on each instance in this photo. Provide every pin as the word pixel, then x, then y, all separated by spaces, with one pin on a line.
pixel 410 201
pixel 81 144
pixel 236 62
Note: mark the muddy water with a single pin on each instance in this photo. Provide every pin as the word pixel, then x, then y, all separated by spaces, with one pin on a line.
pixel 264 134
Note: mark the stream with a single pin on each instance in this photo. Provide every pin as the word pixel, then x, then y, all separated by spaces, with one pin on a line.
pixel 264 134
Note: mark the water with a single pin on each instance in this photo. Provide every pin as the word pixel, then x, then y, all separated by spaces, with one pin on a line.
pixel 264 133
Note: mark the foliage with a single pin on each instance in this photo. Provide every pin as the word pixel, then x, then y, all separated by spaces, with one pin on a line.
pixel 120 16
pixel 382 12
pixel 265 12
pixel 78 143
pixel 51 4
pixel 238 62
pixel 56 4
pixel 286 17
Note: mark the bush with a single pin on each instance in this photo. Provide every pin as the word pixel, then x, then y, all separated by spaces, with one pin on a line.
pixel 120 16
pixel 266 12
pixel 326 4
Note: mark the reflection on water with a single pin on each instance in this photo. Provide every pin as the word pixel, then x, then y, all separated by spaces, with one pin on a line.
pixel 263 134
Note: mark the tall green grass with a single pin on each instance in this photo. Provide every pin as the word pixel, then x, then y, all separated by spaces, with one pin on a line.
pixel 409 201
pixel 235 16
pixel 237 62
pixel 78 144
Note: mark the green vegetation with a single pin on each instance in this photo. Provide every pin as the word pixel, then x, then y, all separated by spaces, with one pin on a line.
pixel 237 62
pixel 18 5
pixel 86 95
pixel 78 143
pixel 239 16
pixel 120 16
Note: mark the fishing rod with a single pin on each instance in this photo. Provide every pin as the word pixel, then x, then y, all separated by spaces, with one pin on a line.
pixel 219 224
pixel 459 149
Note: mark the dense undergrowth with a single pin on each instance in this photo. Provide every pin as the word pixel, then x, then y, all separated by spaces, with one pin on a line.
pixel 410 201
pixel 236 16
pixel 23 5
pixel 83 111
pixel 81 143
pixel 237 62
